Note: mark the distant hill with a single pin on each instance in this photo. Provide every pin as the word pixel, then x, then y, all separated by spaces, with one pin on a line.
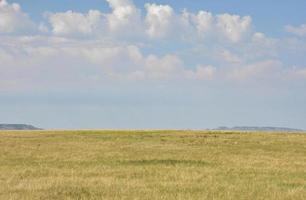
pixel 17 127
pixel 256 128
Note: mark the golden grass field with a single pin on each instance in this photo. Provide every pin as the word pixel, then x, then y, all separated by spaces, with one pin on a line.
pixel 148 165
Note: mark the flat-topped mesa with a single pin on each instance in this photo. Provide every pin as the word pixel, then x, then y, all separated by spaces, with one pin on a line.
pixel 259 128
pixel 18 127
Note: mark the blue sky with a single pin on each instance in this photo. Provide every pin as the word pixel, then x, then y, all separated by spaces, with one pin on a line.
pixel 158 64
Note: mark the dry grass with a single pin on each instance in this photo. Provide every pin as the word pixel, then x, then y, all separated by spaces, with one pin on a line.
pixel 151 165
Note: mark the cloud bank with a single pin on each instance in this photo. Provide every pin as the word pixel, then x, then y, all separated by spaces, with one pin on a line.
pixel 154 43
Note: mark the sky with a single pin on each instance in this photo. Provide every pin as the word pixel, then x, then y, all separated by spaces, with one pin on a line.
pixel 160 64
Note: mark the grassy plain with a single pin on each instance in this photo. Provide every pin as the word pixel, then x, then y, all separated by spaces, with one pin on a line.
pixel 150 165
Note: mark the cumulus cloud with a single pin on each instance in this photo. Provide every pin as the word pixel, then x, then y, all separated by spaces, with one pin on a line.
pixel 159 20
pixel 203 21
pixel 124 17
pixel 228 27
pixel 194 26
pixel 199 46
pixel 165 67
pixel 107 58
pixel 80 61
pixel 299 31
pixel 14 20
pixel 162 19
pixel 45 60
pixel 72 23
pixel 233 27
pixel 262 40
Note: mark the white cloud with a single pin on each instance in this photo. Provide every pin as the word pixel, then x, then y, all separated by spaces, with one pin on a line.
pixel 258 70
pixel 203 21
pixel 107 58
pixel 124 17
pixel 72 23
pixel 43 61
pixel 163 68
pixel 159 20
pixel 72 61
pixel 229 57
pixel 260 39
pixel 14 20
pixel 300 31
pixel 233 27
pixel 198 42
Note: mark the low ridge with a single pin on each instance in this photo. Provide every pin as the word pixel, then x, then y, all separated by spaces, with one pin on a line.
pixel 18 127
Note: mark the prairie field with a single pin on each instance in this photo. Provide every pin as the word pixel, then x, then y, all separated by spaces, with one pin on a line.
pixel 148 165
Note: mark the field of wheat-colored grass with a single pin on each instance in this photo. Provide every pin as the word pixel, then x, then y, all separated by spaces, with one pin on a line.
pixel 148 165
